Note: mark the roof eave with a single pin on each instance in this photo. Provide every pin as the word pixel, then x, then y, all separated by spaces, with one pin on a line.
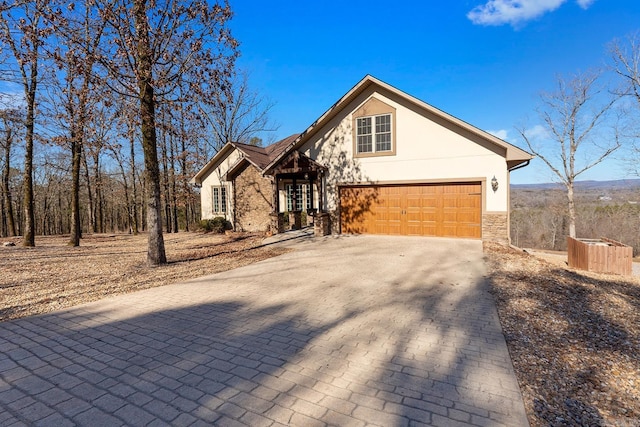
pixel 246 157
pixel 327 115
pixel 512 153
pixel 197 178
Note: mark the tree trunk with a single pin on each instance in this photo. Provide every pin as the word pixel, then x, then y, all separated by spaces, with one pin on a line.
pixel 125 184
pixel 29 217
pixel 174 197
pixel 45 214
pixel 98 205
pixel 134 204
pixel 77 142
pixel 183 171
pixel 76 152
pixel 8 205
pixel 59 223
pixel 3 221
pixel 90 210
pixel 572 211
pixel 165 182
pixel 155 252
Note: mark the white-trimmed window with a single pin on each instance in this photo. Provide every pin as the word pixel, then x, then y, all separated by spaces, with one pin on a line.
pixel 373 134
pixel 303 197
pixel 219 195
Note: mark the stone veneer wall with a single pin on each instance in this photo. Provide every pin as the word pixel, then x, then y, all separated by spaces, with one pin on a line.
pixel 495 227
pixel 334 221
pixel 253 193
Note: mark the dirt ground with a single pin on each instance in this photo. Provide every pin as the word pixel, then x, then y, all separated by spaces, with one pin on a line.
pixel 54 275
pixel 574 338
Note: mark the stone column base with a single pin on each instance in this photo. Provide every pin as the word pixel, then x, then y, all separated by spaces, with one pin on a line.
pixel 321 224
pixel 277 223
pixel 495 227
pixel 295 220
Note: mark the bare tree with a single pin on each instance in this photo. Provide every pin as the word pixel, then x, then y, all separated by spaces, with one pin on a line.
pixel 79 33
pixel 156 46
pixel 23 33
pixel 237 114
pixel 94 148
pixel 574 116
pixel 625 55
pixel 626 63
pixel 10 120
pixel 115 150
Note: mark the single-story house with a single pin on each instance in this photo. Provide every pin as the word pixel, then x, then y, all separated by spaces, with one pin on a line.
pixel 379 161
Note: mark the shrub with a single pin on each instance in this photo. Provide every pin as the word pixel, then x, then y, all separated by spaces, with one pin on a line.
pixel 215 225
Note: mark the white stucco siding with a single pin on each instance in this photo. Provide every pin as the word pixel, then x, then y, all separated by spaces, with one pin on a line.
pixel 426 149
pixel 214 179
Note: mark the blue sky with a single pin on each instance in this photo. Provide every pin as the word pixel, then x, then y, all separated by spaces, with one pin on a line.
pixel 483 61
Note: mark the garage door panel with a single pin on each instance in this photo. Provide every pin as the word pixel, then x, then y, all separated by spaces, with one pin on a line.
pixel 429 230
pixel 380 227
pixel 355 209
pixel 415 219
pixel 446 210
pixel 470 230
pixel 394 214
pixel 450 218
pixel 414 216
pixel 450 201
pixel 469 205
pixel 430 213
pixel 429 201
pixel 449 231
pixel 414 202
pixel 467 218
pixel 415 230
pixel 394 203
pixel 394 229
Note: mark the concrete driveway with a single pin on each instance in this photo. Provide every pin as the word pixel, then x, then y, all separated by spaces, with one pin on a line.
pixel 347 331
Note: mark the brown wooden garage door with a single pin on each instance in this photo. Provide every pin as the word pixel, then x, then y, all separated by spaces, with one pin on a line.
pixel 442 210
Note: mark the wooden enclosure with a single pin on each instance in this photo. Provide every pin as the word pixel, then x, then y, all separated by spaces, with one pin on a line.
pixel 600 255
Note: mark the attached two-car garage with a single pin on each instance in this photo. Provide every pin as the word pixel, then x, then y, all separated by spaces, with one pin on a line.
pixel 440 210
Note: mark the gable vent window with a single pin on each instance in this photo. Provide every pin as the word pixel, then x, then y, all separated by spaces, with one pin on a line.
pixel 219 199
pixel 374 134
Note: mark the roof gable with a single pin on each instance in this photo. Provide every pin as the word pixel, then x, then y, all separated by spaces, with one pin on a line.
pixel 513 155
pixel 260 157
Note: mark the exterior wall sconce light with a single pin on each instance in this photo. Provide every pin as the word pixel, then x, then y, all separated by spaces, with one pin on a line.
pixel 494 184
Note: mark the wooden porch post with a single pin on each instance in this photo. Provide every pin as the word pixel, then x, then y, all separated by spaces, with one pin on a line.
pixel 321 192
pixel 311 180
pixel 277 220
pixel 294 195
pixel 276 195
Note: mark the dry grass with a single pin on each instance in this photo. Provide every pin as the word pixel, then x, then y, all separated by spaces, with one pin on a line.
pixel 574 338
pixel 54 275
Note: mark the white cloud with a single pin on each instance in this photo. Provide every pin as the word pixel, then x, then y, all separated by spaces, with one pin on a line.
pixel 537 132
pixel 514 12
pixel 585 3
pixel 501 133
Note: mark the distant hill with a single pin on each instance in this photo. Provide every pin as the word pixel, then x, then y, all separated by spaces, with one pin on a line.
pixel 620 184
